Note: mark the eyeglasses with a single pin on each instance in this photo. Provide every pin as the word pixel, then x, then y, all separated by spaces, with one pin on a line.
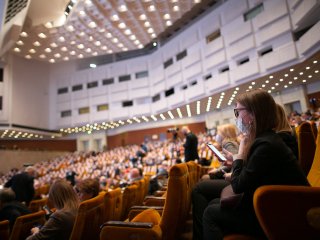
pixel 237 110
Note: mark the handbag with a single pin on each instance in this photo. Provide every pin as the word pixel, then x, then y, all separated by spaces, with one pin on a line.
pixel 229 199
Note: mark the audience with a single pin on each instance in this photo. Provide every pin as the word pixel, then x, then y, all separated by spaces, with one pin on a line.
pixel 10 209
pixel 60 224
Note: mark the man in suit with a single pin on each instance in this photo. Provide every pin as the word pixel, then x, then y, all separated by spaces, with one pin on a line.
pixel 22 185
pixel 190 145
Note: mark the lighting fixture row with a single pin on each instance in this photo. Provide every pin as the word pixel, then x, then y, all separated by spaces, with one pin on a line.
pixel 15 134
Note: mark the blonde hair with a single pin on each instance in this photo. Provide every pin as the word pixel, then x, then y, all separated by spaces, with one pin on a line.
pixel 282 120
pixel 63 196
pixel 228 132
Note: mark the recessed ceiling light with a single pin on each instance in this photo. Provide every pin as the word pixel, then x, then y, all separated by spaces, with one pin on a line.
pixel 272 88
pixel 53 45
pixel 122 8
pixel 290 82
pixel 92 25
pixel 80 46
pixel 151 8
pixel 72 53
pixel 104 48
pixel 127 32
pixel 80 55
pixel 295 78
pixel 82 13
pixel 122 25
pixel 153 35
pixel 52 60
pixel 36 43
pixel 92 65
pixel 32 50
pixel 81 34
pixel 281 79
pixel 304 80
pixel 315 61
pixel 48 25
pixel 57 55
pixel 115 40
pixel 150 30
pixel 70 28
pixel 61 39
pixel 175 8
pixel 42 35
pixel 48 50
pixel 140 46
pixel 267 81
pixel 291 69
pixel 133 37
pixel 64 49
pixel 166 16
pixel 20 43
pixel 114 17
pixel 307 67
pixel 88 50
pixel 277 84
pixel 17 49
pixel 168 23
pixel 316 71
pixel 142 17
pixel 120 45
pixel 66 58
pixel 95 53
pixel 310 76
pixel 301 73
pixel 286 75
pixel 23 34
pixel 42 56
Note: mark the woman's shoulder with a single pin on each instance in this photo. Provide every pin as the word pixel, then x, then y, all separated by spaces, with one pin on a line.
pixel 63 215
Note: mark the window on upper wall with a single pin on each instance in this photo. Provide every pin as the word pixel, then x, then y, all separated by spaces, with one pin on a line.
pixel 193 83
pixel 127 103
pixel 142 74
pixel 124 78
pixel 253 12
pixel 265 51
pixel 243 61
pixel 92 84
pixel 103 107
pixel 169 92
pixel 167 63
pixel 63 90
pixel 181 55
pixel 184 87
pixel 66 113
pixel 213 36
pixel 208 76
pixel 0 103
pixel 83 110
pixel 156 97
pixel 77 87
pixel 224 69
pixel 1 74
pixel 107 81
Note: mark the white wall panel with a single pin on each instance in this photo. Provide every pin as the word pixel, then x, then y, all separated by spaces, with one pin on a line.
pixel 209 25
pixel 119 96
pixel 140 64
pixel 100 116
pixel 233 9
pixel 155 60
pixel 176 99
pixel 213 46
pixel 158 88
pixel 192 71
pixel 81 119
pixel 64 106
pixel 215 59
pixel 174 80
pixel 157 74
pixel 241 46
pixel 273 30
pixel 231 31
pixel 309 39
pixel 273 9
pixel 243 71
pixel 118 87
pixel 94 101
pixel 195 91
pixel 159 106
pixel 100 90
pixel 191 58
pixel 217 81
pixel 80 103
pixel 64 97
pixel 174 68
pixel 279 56
pixel 138 83
pixel 119 113
pixel 139 92
pixel 140 110
pixel 188 40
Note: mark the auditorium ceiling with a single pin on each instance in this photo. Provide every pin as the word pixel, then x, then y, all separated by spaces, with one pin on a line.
pixel 62 30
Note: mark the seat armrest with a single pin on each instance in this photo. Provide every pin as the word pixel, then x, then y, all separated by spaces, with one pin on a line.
pixel 135 210
pixel 128 224
pixel 154 201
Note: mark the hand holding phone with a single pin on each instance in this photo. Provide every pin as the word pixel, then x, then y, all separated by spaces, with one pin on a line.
pixel 216 152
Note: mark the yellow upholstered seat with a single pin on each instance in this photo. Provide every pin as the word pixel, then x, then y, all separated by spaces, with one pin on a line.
pixel 113 205
pixel 36 205
pixel 4 230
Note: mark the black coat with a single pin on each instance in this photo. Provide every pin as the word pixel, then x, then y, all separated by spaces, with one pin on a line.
pixel 191 147
pixel 10 211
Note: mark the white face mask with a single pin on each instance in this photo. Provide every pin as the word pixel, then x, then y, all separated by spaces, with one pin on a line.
pixel 219 139
pixel 241 126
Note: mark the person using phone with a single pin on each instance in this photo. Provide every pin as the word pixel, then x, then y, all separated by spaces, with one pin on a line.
pixel 263 159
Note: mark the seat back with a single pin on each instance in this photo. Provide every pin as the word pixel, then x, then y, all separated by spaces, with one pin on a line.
pixel 89 219
pixel 129 198
pixel 314 129
pixel 274 217
pixel 173 216
pixel 4 230
pixel 113 205
pixel 23 224
pixel 314 173
pixel 306 146
pixel 140 191
pixel 36 205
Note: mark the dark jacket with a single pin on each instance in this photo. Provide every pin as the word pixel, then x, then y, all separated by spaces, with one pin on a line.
pixel 269 162
pixel 22 185
pixel 191 147
pixel 10 211
pixel 59 226
pixel 291 141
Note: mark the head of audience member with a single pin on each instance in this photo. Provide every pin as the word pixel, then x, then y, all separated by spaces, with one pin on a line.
pixel 282 120
pixel 255 113
pixel 185 130
pixel 87 189
pixel 31 171
pixel 103 182
pixel 7 195
pixel 134 175
pixel 226 133
pixel 63 197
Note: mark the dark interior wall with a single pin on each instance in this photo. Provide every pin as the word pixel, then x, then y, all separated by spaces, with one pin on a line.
pixel 314 100
pixel 137 137
pixel 45 145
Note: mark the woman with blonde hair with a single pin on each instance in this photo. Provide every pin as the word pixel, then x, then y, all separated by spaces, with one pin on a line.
pixel 60 224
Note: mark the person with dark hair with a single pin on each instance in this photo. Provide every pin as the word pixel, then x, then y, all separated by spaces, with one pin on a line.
pixel 87 189
pixel 263 159
pixel 190 145
pixel 10 209
pixel 71 177
pixel 60 223
pixel 22 185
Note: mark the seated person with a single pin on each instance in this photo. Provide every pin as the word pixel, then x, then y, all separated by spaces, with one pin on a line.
pixel 10 209
pixel 60 223
pixel 88 188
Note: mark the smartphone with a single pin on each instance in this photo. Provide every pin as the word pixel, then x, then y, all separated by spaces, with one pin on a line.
pixel 216 152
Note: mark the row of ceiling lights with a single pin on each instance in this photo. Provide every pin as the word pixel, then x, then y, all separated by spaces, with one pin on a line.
pixel 89 128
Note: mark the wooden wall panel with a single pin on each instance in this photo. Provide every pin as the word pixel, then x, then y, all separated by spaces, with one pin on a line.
pixel 45 145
